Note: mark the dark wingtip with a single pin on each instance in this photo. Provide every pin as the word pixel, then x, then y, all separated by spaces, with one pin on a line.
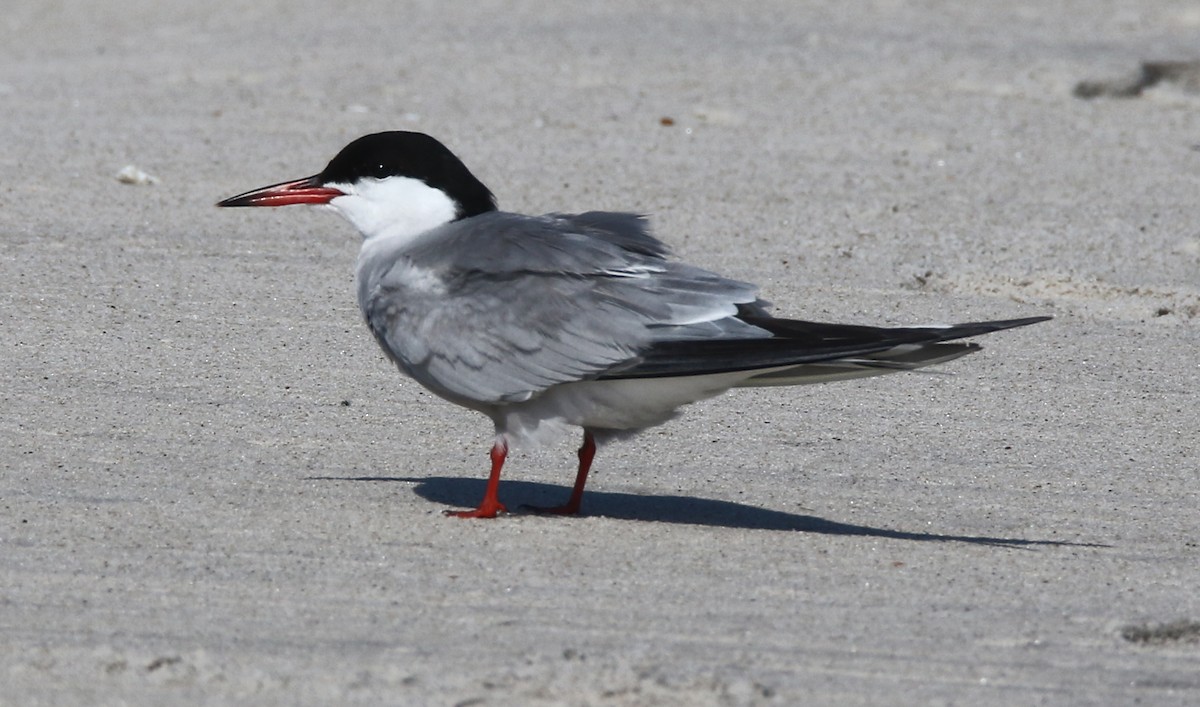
pixel 999 325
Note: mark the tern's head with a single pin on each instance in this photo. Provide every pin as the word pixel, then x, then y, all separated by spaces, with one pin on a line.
pixel 394 183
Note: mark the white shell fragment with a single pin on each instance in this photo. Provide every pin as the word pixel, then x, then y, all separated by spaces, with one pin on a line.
pixel 130 174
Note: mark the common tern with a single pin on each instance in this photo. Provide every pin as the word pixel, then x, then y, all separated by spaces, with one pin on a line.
pixel 548 322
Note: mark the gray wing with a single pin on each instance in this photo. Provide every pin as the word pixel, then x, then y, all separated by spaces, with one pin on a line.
pixel 499 307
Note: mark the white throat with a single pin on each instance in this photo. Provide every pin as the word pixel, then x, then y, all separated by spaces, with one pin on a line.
pixel 395 209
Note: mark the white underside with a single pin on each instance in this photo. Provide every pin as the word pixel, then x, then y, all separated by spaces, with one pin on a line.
pixel 611 408
pixel 623 407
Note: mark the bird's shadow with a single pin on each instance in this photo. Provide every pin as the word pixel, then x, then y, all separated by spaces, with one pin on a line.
pixel 464 493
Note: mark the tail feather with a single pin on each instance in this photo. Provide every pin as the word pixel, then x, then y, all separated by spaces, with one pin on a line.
pixel 811 352
pixel 865 367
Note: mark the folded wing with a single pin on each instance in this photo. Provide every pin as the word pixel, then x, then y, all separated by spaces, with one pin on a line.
pixel 500 307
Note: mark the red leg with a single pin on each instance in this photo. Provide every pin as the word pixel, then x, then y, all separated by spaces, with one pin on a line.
pixel 586 453
pixel 490 505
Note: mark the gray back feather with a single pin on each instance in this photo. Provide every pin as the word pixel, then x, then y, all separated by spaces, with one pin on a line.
pixel 499 307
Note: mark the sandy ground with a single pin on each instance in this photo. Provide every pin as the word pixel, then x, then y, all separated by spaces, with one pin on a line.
pixel 214 490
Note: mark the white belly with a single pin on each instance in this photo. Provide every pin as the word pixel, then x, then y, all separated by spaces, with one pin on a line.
pixel 611 408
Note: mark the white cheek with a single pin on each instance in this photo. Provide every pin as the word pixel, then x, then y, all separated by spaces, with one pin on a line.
pixel 398 207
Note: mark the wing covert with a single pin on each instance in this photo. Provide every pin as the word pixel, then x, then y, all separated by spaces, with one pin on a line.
pixel 500 313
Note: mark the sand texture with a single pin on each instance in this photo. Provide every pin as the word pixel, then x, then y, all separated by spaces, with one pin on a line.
pixel 215 490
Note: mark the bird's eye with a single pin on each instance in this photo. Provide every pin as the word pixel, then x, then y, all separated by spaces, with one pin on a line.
pixel 380 171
